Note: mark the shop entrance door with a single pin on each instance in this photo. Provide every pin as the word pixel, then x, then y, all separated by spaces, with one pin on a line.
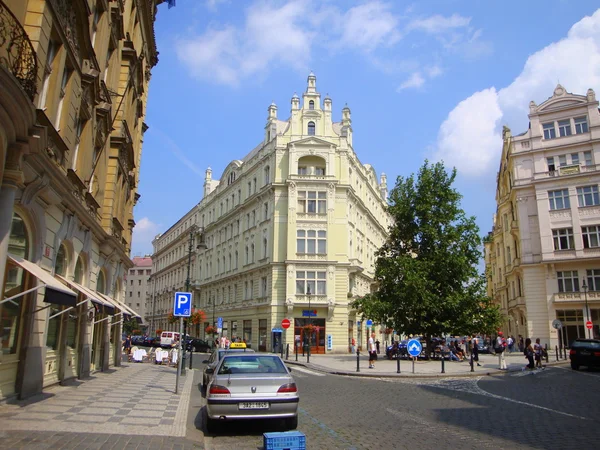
pixel 316 339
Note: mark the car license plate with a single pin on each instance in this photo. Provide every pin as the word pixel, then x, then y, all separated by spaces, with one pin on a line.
pixel 584 353
pixel 253 405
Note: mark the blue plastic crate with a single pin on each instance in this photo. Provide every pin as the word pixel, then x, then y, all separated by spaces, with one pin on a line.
pixel 288 440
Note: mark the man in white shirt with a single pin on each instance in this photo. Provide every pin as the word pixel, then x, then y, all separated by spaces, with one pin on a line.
pixel 372 351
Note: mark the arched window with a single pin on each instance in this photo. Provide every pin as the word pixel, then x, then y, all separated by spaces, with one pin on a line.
pixel 311 104
pixel 101 282
pixel 236 260
pixel 247 255
pixel 60 267
pixel 78 275
pixel 311 128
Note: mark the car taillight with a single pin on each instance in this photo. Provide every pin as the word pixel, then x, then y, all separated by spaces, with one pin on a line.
pixel 597 354
pixel 290 387
pixel 217 389
pixel 572 352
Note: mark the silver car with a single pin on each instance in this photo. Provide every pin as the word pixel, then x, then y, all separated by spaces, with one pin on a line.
pixel 251 386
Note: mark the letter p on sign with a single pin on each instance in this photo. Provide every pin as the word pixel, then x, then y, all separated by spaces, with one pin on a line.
pixel 183 304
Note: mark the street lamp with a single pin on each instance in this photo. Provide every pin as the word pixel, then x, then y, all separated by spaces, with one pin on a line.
pixel 309 323
pixel 587 311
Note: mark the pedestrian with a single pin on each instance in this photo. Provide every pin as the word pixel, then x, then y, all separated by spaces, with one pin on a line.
pixel 353 345
pixel 372 351
pixel 377 345
pixel 521 344
pixel 537 350
pixel 127 344
pixel 475 351
pixel 510 342
pixel 528 351
pixel 499 348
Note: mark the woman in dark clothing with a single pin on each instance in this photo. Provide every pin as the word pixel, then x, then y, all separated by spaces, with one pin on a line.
pixel 475 351
pixel 529 353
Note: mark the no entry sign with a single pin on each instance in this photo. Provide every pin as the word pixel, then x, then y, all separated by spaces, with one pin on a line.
pixel 285 323
pixel 588 325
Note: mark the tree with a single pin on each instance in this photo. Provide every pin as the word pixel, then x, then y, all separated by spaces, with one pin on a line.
pixel 426 272
pixel 129 326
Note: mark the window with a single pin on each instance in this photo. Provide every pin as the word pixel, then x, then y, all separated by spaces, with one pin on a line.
pixel 312 202
pixel 267 175
pixel 265 247
pixel 131 294
pixel 593 279
pixel 550 162
pixel 263 287
pixel 266 211
pixel 311 279
pixel 302 170
pixel 311 241
pixel 581 125
pixel 139 282
pixel 549 131
pixel 559 199
pixel 588 195
pixel 568 281
pixel 131 282
pixel 249 188
pixel 138 294
pixel 252 252
pixel 562 160
pixel 236 260
pixel 564 127
pixel 311 105
pixel 588 158
pixel 508 256
pixel 254 185
pixel 591 236
pixel 246 291
pixel 574 158
pixel 320 171
pixel 563 239
pixel 311 128
pixel 253 215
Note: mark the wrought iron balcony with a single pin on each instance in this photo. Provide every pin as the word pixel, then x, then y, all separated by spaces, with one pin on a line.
pixel 16 51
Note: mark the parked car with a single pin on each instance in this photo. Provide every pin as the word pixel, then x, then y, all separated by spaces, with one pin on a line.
pixel 585 352
pixel 216 357
pixel 197 345
pixel 251 386
pixel 151 341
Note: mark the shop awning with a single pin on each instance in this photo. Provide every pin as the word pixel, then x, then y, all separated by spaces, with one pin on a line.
pixel 56 292
pixel 128 313
pixel 107 307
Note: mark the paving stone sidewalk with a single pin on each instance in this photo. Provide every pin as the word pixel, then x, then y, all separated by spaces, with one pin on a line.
pixel 131 406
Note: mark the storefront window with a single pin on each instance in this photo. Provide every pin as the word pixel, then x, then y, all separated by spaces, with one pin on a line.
pixel 53 328
pixel 78 275
pixel 234 332
pixel 573 326
pixel 71 329
pixel 248 332
pixel 10 312
pixel 100 283
pixel 262 335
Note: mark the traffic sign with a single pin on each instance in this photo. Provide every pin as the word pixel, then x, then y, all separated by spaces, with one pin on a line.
pixel 182 306
pixel 414 347
pixel 556 324
pixel 589 325
pixel 285 323
pixel 369 323
pixel 219 322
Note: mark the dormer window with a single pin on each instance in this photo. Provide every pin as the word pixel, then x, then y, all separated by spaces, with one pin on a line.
pixel 231 178
pixel 311 128
pixel 311 105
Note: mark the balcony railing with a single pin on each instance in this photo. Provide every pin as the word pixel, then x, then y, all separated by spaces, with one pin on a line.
pixel 16 51
pixel 560 172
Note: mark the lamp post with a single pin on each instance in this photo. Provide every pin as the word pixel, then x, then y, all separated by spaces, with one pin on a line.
pixel 309 323
pixel 587 311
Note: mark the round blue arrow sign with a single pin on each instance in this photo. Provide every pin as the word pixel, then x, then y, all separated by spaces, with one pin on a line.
pixel 414 347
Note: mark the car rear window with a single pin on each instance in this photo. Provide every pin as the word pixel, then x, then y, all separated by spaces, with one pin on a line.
pixel 257 364
pixel 586 344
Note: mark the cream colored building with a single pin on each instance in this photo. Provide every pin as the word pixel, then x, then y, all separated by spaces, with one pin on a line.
pixel 137 282
pixel 74 80
pixel 300 213
pixel 543 255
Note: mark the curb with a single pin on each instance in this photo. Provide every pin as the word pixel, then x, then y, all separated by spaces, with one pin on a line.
pixel 491 372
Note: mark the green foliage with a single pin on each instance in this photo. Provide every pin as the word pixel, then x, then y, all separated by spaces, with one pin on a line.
pixel 427 277
pixel 129 326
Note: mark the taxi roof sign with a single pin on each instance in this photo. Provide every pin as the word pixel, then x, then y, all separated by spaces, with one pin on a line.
pixel 237 345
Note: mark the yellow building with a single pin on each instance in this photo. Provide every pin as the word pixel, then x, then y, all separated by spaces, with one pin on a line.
pixel 290 231
pixel 543 255
pixel 74 79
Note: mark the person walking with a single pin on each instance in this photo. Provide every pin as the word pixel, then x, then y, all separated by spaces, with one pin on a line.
pixel 353 345
pixel 528 354
pixel 475 351
pixel 499 348
pixel 377 345
pixel 537 351
pixel 510 343
pixel 372 351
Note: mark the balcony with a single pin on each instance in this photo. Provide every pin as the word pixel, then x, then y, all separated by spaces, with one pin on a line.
pixel 16 51
pixel 563 171
pixel 516 302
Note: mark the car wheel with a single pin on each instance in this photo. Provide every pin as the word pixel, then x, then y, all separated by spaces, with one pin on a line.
pixel 291 423
pixel 574 366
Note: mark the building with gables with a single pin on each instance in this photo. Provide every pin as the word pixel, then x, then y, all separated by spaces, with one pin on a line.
pixel 288 231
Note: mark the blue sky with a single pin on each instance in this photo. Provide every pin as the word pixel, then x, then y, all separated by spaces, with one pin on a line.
pixel 434 79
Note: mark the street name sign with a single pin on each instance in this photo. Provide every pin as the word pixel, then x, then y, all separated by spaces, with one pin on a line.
pixel 183 304
pixel 414 347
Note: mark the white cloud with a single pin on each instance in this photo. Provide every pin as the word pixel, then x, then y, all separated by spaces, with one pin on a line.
pixel 144 232
pixel 369 26
pixel 439 24
pixel 470 137
pixel 434 71
pixel 416 80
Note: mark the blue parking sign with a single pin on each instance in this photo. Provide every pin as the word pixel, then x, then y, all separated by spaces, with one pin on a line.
pixel 183 304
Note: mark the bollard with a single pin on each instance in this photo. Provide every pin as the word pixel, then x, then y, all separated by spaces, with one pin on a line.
pixel 398 365
pixel 556 351
pixel 546 351
pixel 191 353
pixel 281 347
pixel 357 360
pixel 443 368
pixel 296 345
pixel 471 363
pixel 287 351
pixel 414 357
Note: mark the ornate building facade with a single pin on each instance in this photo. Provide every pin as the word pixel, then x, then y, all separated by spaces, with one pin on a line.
pixel 543 255
pixel 289 231
pixel 74 77
pixel 137 282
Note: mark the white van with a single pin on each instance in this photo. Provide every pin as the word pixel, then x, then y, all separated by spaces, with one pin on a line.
pixel 167 338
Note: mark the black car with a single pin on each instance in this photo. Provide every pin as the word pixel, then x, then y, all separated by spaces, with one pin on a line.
pixel 198 345
pixel 585 352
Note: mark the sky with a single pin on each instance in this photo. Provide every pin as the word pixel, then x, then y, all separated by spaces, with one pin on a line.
pixel 432 80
